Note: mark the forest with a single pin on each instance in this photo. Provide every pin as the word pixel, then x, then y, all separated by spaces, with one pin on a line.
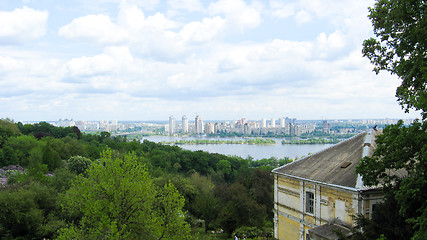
pixel 60 183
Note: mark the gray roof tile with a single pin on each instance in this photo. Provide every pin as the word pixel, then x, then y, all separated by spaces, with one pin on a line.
pixel 335 165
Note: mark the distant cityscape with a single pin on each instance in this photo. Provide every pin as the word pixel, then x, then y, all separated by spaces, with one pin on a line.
pixel 284 126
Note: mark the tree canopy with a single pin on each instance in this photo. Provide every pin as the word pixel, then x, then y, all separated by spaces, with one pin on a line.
pixel 400 160
pixel 118 200
pixel 400 47
pixel 191 184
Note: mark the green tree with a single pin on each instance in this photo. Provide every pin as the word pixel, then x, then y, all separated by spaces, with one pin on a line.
pixel 72 147
pixel 117 200
pixel 7 129
pixel 28 212
pixel 400 164
pixel 385 220
pixel 61 180
pixel 170 217
pixel 238 208
pixel 22 150
pixel 261 188
pixel 50 157
pixel 400 47
pixel 205 204
pixel 224 167
pixel 78 164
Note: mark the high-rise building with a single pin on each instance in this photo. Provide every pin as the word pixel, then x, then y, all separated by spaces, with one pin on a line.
pixel 171 125
pixel 209 128
pixel 263 123
pixel 326 126
pixel 184 124
pixel 293 121
pixel 282 122
pixel 273 123
pixel 291 129
pixel 198 125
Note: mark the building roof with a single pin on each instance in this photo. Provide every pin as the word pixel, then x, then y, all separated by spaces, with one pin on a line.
pixel 335 165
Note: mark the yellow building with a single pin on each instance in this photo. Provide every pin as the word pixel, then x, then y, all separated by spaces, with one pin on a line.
pixel 317 196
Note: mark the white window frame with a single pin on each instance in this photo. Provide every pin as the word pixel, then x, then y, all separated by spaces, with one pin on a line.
pixel 309 202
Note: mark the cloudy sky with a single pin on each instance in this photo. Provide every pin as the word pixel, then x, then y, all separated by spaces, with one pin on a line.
pixel 222 59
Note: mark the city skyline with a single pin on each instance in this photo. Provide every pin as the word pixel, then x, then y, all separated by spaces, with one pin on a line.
pixel 146 60
pixel 192 119
pixel 287 126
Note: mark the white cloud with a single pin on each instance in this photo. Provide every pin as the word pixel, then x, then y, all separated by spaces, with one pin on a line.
pixel 94 27
pixel 281 49
pixel 23 24
pixel 131 17
pixel 8 64
pixel 159 21
pixel 114 59
pixel 302 17
pixel 187 5
pixel 146 4
pixel 238 14
pixel 147 62
pixel 329 46
pixel 335 8
pixel 202 31
pixel 281 9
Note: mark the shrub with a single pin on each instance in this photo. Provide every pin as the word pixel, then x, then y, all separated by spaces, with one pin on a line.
pixel 78 164
pixel 253 232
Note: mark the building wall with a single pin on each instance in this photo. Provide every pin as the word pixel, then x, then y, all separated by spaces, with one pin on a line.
pixel 292 221
pixel 290 228
pixel 370 198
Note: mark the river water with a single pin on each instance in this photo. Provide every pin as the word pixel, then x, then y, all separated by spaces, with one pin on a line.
pixel 277 150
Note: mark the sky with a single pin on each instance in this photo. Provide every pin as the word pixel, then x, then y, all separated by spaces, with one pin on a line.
pixel 222 60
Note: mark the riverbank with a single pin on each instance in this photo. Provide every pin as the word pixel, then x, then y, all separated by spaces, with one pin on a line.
pixel 313 141
pixel 255 151
pixel 256 141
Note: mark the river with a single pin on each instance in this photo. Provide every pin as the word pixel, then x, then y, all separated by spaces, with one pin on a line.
pixel 277 150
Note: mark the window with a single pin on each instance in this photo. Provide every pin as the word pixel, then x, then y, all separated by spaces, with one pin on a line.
pixel 309 202
pixel 374 208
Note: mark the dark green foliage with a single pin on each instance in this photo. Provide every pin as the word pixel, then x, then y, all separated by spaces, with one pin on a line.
pixel 238 208
pixel 170 216
pixel 198 176
pixel 22 150
pixel 44 129
pixel 224 167
pixel 118 200
pixel 260 186
pixel 403 149
pixel 7 129
pixel 398 147
pixel 76 131
pixel 205 205
pixel 185 186
pixel 272 162
pixel 61 180
pixel 385 221
pixel 28 212
pixel 400 47
pixel 50 157
pixel 253 232
pixel 78 164
pixel 71 147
